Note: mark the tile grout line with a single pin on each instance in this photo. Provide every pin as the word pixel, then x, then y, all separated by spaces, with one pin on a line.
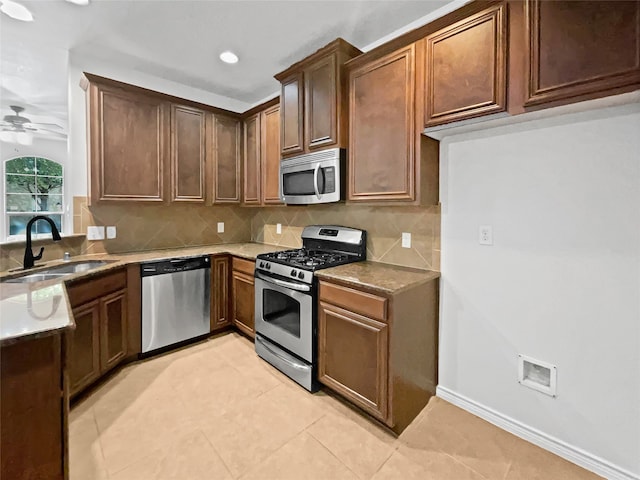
pixel 331 453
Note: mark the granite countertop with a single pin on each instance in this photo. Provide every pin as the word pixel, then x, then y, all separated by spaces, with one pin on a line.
pixel 378 277
pixel 42 308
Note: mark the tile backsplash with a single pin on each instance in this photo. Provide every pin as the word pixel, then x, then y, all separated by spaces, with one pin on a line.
pixel 384 226
pixel 147 227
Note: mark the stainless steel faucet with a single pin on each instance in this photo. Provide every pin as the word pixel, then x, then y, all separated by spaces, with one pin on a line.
pixel 29 257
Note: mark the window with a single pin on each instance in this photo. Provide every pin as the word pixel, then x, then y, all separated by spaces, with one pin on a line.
pixel 33 186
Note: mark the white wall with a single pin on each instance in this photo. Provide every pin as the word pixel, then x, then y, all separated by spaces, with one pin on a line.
pixel 42 147
pixel 561 282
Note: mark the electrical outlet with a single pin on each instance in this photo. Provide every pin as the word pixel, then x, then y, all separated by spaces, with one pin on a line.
pixel 406 240
pixel 220 227
pixel 279 228
pixel 485 235
pixel 111 232
pixel 95 233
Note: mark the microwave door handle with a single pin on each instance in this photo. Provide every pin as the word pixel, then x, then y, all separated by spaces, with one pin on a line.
pixel 316 176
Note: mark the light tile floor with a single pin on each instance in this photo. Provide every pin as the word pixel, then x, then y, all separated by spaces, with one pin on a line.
pixel 216 411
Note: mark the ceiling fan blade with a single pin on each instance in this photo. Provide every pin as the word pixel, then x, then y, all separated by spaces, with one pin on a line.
pixel 51 132
pixel 49 125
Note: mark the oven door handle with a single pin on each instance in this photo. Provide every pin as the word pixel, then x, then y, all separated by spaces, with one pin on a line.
pixel 280 357
pixel 316 188
pixel 282 283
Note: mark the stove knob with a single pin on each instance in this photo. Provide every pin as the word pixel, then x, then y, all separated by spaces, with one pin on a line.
pixel 268 266
pixel 293 273
pixel 261 264
pixel 301 276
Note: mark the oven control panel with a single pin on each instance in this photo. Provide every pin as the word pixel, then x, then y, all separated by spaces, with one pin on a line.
pixel 285 271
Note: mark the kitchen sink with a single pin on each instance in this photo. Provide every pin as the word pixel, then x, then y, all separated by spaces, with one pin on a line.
pixel 76 267
pixel 58 271
pixel 35 277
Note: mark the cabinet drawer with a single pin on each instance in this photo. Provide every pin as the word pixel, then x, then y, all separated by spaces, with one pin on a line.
pixel 241 265
pixel 84 291
pixel 354 300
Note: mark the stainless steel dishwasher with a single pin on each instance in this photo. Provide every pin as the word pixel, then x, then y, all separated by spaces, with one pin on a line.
pixel 175 301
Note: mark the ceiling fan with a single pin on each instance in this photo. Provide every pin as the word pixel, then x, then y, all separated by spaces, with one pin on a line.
pixel 19 124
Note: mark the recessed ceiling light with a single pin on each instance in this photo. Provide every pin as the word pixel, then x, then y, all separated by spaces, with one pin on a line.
pixel 79 2
pixel 16 10
pixel 229 57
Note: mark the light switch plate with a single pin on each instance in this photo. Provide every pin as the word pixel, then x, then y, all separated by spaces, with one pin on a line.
pixel 111 232
pixel 220 227
pixel 406 240
pixel 95 233
pixel 279 228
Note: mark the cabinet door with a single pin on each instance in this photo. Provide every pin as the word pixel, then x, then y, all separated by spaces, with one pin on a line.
pixel 187 154
pixel 382 127
pixel 271 156
pixel 227 158
pixel 321 97
pixel 33 424
pixel 292 115
pixel 84 346
pixel 113 329
pixel 128 146
pixel 352 358
pixel 466 68
pixel 581 47
pixel 251 194
pixel 243 302
pixel 219 292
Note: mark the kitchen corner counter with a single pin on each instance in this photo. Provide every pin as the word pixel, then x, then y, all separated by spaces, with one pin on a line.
pixel 33 310
pixel 379 277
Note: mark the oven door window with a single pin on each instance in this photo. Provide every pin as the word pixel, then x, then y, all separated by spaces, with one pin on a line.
pixel 302 183
pixel 281 311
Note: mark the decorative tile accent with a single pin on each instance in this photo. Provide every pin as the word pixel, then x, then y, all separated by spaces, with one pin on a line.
pixel 384 226
pixel 145 227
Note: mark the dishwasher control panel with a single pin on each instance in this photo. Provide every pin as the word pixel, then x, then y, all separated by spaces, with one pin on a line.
pixel 174 265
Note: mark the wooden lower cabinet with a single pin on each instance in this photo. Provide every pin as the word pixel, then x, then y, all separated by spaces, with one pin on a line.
pixel 220 292
pixel 33 410
pixel 380 351
pixel 84 346
pixel 353 357
pixel 113 329
pixel 99 341
pixel 242 293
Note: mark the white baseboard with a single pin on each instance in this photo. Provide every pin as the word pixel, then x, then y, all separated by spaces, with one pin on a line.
pixel 573 454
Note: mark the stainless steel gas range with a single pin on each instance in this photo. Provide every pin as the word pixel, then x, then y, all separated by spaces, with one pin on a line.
pixel 286 297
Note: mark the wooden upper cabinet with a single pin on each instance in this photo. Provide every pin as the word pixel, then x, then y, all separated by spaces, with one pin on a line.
pixel 382 128
pixel 128 145
pixel 187 154
pixel 313 100
pixel 466 68
pixel 252 141
pixel 292 115
pixel 271 156
pixel 581 47
pixel 227 157
pixel 321 97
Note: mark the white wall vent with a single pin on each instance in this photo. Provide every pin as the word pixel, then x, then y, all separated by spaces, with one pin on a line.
pixel 538 375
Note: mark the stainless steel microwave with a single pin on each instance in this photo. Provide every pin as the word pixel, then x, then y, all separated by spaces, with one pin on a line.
pixel 316 177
